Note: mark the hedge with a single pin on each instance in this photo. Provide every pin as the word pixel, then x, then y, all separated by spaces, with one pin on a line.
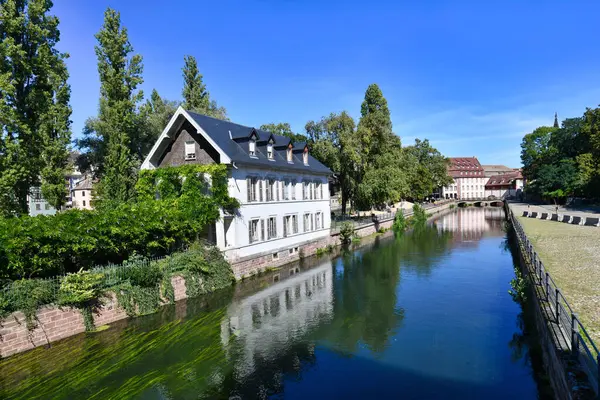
pixel 174 207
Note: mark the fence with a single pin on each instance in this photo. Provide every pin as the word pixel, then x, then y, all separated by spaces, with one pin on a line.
pixel 576 338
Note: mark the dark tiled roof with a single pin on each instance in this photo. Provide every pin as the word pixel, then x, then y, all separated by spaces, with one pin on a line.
pixel 232 139
pixel 85 184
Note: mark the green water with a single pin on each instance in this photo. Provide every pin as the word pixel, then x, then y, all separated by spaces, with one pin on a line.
pixel 426 315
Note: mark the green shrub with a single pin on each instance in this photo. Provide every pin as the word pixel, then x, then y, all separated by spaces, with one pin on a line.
pixel 400 222
pixel 82 290
pixel 419 216
pixel 28 295
pixel 346 232
pixel 46 246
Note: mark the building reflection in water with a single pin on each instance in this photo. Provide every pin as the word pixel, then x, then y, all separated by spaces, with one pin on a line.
pixel 264 325
pixel 471 224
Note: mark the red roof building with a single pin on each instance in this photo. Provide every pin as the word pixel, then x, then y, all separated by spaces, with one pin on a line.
pixel 469 179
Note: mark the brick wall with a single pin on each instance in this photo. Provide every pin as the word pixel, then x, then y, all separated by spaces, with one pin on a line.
pixel 54 323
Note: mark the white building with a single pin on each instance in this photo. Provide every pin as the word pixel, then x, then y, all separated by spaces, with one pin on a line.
pixel 469 179
pixel 282 189
pixel 503 186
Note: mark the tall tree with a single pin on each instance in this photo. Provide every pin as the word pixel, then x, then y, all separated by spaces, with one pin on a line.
pixel 195 95
pixel 118 121
pixel 34 105
pixel 555 120
pixel 379 150
pixel 536 150
pixel 284 129
pixel 333 143
pixel 158 113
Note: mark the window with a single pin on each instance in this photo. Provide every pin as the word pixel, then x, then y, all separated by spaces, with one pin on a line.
pixel 318 220
pixel 271 228
pixel 289 154
pixel 305 189
pixel 286 189
pixel 270 151
pixel 275 256
pixel 84 203
pixel 305 156
pixel 311 187
pixel 290 225
pixel 271 189
pixel 38 206
pixel 83 193
pixel 252 189
pixel 319 190
pixel 190 150
pixel 293 189
pixel 306 222
pixel 252 147
pixel 254 231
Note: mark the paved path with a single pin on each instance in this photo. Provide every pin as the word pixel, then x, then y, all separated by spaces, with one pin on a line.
pixel 520 207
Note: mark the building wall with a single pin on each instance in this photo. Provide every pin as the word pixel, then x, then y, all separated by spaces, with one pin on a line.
pixel 82 199
pixel 175 153
pixel 37 204
pixel 235 240
pixel 465 188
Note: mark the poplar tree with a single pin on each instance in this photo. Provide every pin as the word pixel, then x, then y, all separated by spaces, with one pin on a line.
pixel 34 105
pixel 118 124
pixel 195 95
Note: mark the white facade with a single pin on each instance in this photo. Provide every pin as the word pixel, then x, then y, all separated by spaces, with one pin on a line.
pixel 466 188
pixel 258 228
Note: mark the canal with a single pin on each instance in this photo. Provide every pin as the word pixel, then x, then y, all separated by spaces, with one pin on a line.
pixel 423 316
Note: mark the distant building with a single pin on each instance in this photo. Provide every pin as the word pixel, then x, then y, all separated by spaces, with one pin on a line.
pixel 82 194
pixel 505 186
pixel 491 170
pixel 469 179
pixel 37 204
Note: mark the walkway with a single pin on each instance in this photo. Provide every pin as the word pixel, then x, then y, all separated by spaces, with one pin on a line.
pixel 549 208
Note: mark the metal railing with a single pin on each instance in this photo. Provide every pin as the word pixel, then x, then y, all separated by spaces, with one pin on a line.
pixel 576 337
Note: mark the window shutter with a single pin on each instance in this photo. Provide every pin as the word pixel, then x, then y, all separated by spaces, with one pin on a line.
pixel 321 190
pixel 262 229
pixel 260 191
pixel 269 191
pixel 248 184
pixel 295 220
pixel 274 227
pixel 285 228
pixel 277 190
pixel 293 189
pixel 250 232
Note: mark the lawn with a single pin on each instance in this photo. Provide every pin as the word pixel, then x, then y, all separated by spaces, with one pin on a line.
pixel 571 254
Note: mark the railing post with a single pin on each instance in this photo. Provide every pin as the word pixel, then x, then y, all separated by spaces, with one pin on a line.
pixel 557 303
pixel 574 344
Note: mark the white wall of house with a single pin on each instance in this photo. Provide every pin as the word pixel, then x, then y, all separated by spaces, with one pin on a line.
pixel 233 233
pixel 466 188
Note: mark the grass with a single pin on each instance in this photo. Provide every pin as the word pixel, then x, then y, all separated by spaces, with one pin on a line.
pixel 571 254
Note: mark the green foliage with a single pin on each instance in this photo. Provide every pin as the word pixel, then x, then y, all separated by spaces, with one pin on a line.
pixel 400 223
pixel 519 287
pixel 82 290
pixel 27 296
pixel 419 217
pixel 47 246
pixel 346 232
pixel 156 113
pixel 34 105
pixel 284 129
pixel 426 168
pixel 195 95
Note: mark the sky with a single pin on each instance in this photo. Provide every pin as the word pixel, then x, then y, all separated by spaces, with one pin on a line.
pixel 471 76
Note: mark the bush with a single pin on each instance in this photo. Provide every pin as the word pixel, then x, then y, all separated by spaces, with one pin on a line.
pixel 27 296
pixel 400 223
pixel 346 232
pixel 419 216
pixel 82 290
pixel 46 246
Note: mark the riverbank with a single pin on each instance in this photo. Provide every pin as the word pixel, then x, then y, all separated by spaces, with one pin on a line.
pixel 572 257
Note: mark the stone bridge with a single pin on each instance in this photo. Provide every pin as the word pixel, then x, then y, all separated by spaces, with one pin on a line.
pixel 480 203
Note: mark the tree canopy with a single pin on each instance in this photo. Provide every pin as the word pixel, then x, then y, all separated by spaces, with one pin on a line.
pixel 34 106
pixel 284 129
pixel 195 94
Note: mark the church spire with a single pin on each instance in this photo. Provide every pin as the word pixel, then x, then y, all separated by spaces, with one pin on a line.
pixel 556 120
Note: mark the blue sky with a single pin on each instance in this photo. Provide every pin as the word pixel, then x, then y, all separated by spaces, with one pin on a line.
pixel 471 76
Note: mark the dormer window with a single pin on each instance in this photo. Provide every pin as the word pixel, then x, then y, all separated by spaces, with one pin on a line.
pixel 289 154
pixel 305 156
pixel 270 151
pixel 190 150
pixel 252 147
